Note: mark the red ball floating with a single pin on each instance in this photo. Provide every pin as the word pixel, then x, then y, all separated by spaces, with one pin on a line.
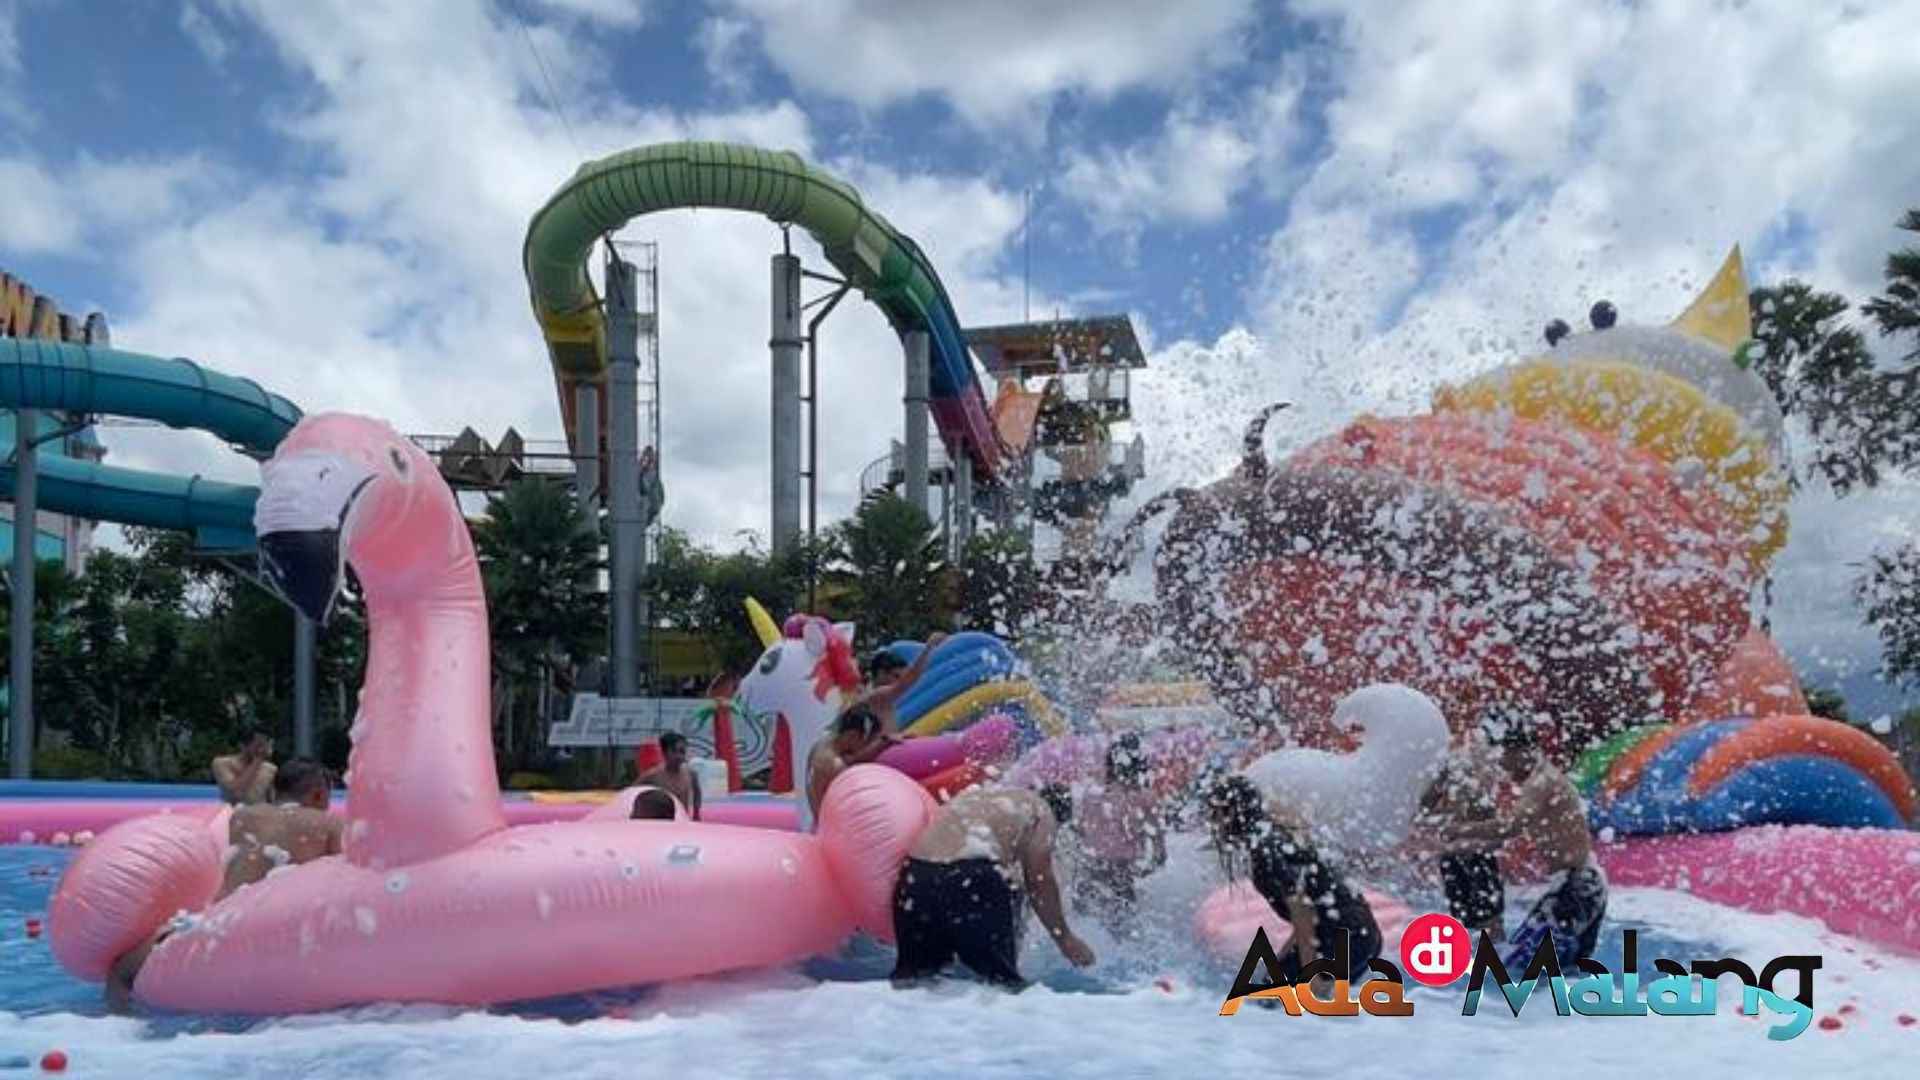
pixel 54 1061
pixel 1830 1023
pixel 1906 1020
pixel 33 928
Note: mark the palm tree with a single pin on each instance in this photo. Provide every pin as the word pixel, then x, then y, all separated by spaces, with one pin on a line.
pixel 889 560
pixel 540 563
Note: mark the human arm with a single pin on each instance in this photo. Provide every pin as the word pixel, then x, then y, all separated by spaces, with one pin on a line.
pixel 887 696
pixel 1043 891
pixel 875 746
pixel 694 780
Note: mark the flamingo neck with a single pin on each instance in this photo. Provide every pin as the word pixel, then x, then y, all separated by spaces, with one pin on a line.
pixel 422 780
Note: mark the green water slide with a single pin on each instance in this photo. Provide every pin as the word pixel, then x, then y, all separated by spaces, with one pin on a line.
pixel 82 380
pixel 884 264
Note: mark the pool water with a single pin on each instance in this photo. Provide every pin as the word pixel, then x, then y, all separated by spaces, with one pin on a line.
pixel 1148 1008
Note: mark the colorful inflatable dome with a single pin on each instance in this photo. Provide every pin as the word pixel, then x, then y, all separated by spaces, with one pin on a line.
pixel 1575 536
pixel 1728 774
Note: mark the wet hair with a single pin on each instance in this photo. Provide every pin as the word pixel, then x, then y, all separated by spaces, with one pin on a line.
pixel 1059 799
pixel 858 719
pixel 1236 815
pixel 883 661
pixel 300 778
pixel 671 741
pixel 1125 761
pixel 653 805
pixel 256 734
pixel 1509 728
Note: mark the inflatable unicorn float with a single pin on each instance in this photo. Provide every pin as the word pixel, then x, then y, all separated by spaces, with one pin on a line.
pixel 435 898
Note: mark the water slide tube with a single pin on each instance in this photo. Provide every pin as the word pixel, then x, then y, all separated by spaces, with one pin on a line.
pixel 37 374
pixel 884 264
pixel 435 898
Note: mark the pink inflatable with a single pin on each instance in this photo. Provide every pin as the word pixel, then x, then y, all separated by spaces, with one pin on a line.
pixel 435 898
pixel 1864 882
pixel 1229 915
pixel 43 819
pixel 989 741
pixel 1174 757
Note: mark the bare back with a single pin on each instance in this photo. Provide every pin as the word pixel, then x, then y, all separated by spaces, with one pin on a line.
pixel 1555 821
pixel 991 823
pixel 266 837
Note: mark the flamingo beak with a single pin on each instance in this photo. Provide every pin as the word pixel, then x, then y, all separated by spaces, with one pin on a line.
pixel 302 521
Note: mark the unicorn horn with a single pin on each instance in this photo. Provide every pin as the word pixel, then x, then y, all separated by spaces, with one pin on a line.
pixel 763 624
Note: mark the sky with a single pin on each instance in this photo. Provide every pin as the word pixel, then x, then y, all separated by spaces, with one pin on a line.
pixel 1344 206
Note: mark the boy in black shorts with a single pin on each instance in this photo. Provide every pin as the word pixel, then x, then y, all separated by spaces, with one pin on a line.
pixel 959 892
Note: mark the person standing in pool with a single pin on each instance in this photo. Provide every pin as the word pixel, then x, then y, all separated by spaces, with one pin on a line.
pixel 959 894
pixel 1545 808
pixel 1121 836
pixel 673 775
pixel 1465 794
pixel 246 777
pixel 294 829
pixel 1296 881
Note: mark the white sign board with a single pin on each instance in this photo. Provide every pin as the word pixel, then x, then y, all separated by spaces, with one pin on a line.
pixel 606 721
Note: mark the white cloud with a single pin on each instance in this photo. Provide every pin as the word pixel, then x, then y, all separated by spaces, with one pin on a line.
pixel 998 62
pixel 622 14
pixel 92 200
pixel 204 34
pixel 1188 175
pixel 723 43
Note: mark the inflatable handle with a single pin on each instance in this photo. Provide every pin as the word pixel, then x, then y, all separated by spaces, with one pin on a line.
pixel 870 818
pixel 126 884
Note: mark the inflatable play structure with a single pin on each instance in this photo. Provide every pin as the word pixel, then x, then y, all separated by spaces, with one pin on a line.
pixel 1575 535
pixel 436 898
pixel 970 711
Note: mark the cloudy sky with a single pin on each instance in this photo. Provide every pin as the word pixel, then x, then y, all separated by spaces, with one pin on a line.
pixel 1341 205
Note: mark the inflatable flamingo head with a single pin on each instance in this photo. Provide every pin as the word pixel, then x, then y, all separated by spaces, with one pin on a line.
pixel 339 489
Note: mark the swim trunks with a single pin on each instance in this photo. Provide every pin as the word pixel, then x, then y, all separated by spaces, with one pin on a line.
pixel 1285 865
pixel 966 908
pixel 1570 913
pixel 1475 893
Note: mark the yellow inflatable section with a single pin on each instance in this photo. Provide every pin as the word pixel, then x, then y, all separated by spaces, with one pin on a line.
pixel 984 697
pixel 1668 417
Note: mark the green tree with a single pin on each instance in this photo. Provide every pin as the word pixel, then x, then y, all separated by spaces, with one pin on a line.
pixel 541 564
pixel 888 560
pixel 1001 587
pixel 1889 586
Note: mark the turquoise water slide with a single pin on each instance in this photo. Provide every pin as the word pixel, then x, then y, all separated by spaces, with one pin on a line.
pixel 37 374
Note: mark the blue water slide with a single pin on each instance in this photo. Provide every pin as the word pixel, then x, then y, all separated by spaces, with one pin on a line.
pixel 62 377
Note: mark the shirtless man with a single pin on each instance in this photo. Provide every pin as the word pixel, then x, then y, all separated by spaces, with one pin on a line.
pixel 296 829
pixel 1464 794
pixel 857 737
pixel 672 774
pixel 959 892
pixel 246 777
pixel 1547 810
pixel 864 728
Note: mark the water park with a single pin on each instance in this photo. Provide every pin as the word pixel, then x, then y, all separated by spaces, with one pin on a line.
pixel 1499 666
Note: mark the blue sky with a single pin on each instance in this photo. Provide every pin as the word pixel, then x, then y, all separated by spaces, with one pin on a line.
pixel 1344 205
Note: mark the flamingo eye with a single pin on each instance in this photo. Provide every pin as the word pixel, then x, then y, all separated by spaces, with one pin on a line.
pixel 399 460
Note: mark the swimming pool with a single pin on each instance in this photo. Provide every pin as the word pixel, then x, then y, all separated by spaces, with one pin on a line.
pixel 1146 1009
